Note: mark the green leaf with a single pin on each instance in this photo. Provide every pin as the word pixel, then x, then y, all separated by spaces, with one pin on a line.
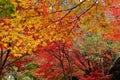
pixel 32 66
pixel 6 8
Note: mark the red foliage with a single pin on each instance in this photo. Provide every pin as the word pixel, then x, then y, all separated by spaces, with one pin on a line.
pixel 93 70
pixel 114 36
pixel 115 11
pixel 97 75
pixel 50 66
pixel 51 58
pixel 21 63
pixel 115 23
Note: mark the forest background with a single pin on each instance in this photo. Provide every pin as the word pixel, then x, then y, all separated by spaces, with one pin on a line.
pixel 59 39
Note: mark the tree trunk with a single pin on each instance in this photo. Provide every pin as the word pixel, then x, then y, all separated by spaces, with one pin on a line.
pixel 62 66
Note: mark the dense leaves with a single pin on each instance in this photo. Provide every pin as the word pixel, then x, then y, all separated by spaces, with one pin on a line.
pixel 6 8
pixel 59 39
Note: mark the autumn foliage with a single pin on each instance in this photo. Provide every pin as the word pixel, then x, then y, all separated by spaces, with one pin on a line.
pixel 59 39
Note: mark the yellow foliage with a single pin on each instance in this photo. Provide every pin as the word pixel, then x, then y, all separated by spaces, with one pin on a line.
pixel 34 23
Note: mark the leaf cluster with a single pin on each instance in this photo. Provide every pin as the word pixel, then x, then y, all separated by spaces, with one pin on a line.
pixel 6 8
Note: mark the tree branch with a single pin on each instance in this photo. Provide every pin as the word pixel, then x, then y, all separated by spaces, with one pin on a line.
pixel 6 57
pixel 69 11
pixel 1 55
pixel 14 61
pixel 78 17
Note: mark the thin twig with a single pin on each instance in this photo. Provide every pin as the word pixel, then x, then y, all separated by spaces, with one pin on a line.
pixel 69 9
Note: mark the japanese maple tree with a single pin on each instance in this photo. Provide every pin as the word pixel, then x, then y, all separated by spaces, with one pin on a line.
pixel 45 23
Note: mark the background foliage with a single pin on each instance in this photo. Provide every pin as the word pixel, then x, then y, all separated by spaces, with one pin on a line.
pixel 59 39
